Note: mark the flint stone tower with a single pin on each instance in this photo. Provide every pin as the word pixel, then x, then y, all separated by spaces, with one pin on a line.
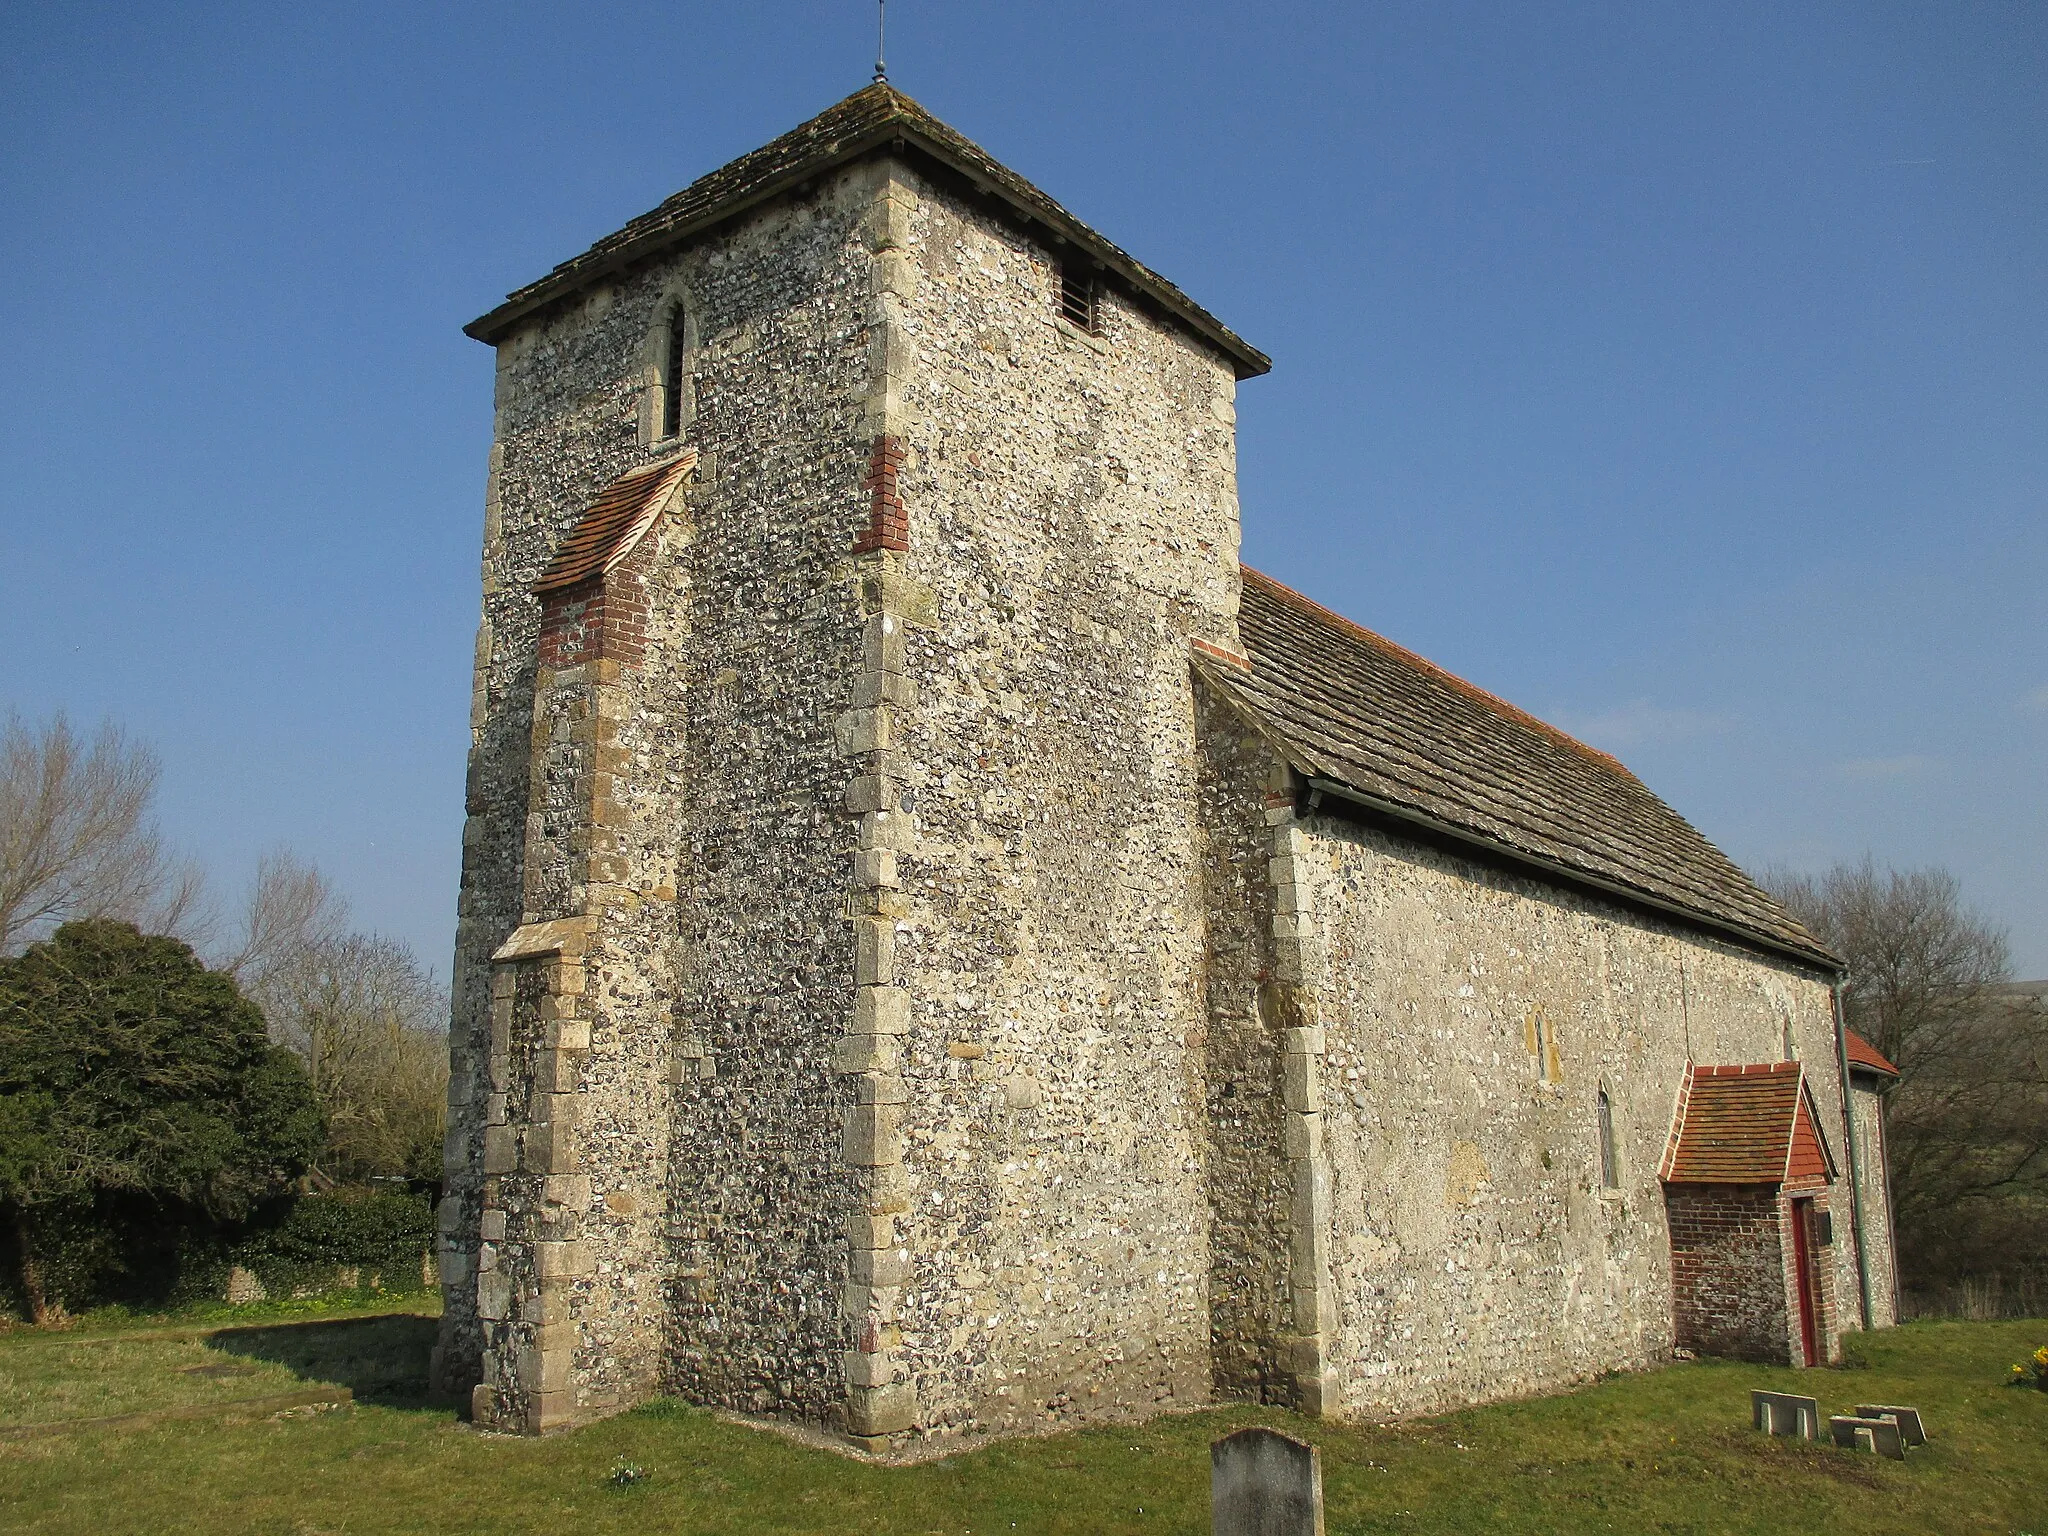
pixel 833 748
pixel 943 948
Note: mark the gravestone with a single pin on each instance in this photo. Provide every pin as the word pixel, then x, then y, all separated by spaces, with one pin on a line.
pixel 1262 1483
pixel 1910 1427
pixel 1781 1413
pixel 1879 1435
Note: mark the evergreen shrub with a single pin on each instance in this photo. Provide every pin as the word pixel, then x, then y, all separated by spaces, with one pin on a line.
pixel 384 1236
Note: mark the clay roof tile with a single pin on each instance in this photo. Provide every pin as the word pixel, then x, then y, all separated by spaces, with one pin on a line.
pixel 1743 1125
pixel 611 525
pixel 1867 1056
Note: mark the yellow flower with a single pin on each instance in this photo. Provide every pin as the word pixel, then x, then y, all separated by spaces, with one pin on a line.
pixel 2041 1356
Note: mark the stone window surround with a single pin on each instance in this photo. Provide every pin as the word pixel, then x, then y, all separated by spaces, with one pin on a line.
pixel 1072 332
pixel 654 368
pixel 1541 1042
pixel 1097 340
pixel 1611 1179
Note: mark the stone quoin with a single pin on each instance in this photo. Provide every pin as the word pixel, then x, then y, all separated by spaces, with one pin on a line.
pixel 944 949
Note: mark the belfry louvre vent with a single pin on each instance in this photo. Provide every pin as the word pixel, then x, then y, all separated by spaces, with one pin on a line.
pixel 1078 298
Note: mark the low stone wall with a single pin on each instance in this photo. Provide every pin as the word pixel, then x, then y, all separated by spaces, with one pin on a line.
pixel 244 1285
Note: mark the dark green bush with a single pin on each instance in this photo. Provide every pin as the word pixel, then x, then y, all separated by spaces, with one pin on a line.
pixel 140 1099
pixel 382 1235
pixel 150 1256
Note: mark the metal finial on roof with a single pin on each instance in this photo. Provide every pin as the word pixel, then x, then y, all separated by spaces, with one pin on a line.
pixel 881 36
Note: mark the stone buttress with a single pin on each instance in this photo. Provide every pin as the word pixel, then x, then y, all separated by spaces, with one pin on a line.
pixel 575 1137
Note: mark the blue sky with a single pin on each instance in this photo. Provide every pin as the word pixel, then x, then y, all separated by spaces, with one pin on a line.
pixel 1674 371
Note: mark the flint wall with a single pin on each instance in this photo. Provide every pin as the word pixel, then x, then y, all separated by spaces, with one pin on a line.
pixel 1072 517
pixel 1472 1016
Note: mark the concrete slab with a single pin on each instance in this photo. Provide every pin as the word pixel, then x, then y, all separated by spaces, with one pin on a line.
pixel 1783 1413
pixel 1879 1435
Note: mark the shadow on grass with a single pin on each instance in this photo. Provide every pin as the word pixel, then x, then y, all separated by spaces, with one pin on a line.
pixel 380 1359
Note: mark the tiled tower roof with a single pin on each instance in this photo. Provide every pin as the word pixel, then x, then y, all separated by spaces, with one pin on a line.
pixel 879 117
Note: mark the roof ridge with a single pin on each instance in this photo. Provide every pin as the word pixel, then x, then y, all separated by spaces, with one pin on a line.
pixel 880 90
pixel 1471 690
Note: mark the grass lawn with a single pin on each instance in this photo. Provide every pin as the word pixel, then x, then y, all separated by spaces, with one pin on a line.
pixel 1670 1450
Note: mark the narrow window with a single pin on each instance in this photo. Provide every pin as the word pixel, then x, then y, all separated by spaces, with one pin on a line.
pixel 1077 298
pixel 672 376
pixel 1610 1177
pixel 1542 1042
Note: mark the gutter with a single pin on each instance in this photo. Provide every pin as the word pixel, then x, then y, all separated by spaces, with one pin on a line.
pixel 1318 787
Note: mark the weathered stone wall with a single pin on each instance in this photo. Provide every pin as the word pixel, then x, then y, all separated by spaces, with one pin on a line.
pixel 1874 1207
pixel 1472 1016
pixel 1071 516
pixel 757 1191
pixel 1249 1190
pixel 709 1121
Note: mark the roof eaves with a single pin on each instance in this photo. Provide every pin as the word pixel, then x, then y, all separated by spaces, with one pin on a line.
pixel 1483 833
pixel 1792 1130
pixel 1320 782
pixel 575 275
pixel 1247 360
pixel 1215 672
pixel 1575 875
pixel 1865 1057
pixel 1811 1110
pixel 1669 1162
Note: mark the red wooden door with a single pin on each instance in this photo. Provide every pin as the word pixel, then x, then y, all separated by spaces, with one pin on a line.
pixel 1802 1258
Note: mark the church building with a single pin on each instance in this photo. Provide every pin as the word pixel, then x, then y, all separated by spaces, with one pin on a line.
pixel 945 949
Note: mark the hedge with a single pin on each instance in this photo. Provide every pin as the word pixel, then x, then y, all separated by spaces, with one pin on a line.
pixel 385 1235
pixel 137 1253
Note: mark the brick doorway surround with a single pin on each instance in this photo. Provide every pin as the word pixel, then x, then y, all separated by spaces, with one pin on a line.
pixel 1747 1177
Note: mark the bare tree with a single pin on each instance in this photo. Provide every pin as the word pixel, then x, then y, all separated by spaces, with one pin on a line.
pixel 291 909
pixel 76 838
pixel 1919 960
pixel 364 1017
pixel 1967 1125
